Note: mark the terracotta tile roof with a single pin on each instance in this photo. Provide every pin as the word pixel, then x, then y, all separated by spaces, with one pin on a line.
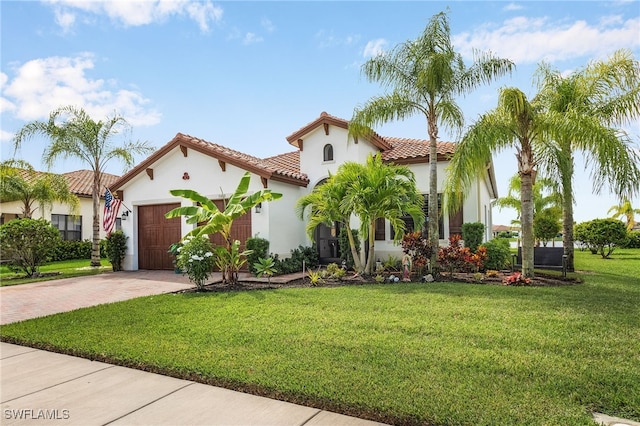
pixel 81 182
pixel 415 150
pixel 329 119
pixel 285 167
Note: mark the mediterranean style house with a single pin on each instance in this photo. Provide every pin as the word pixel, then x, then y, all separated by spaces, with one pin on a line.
pixel 318 149
pixel 71 226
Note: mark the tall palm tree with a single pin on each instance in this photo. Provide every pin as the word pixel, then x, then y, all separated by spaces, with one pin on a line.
pixel 626 210
pixel 19 181
pixel 425 75
pixel 515 122
pixel 592 103
pixel 74 134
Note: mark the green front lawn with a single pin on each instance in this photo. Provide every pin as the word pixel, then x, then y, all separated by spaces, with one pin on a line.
pixel 443 353
pixel 66 269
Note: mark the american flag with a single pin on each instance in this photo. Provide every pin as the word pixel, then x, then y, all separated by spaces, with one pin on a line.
pixel 111 209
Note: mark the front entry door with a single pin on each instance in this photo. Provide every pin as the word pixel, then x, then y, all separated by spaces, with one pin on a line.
pixel 327 241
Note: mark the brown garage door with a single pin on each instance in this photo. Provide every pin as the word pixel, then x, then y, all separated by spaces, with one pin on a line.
pixel 240 230
pixel 155 235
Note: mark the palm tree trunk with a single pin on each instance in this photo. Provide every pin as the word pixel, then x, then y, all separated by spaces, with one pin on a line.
pixel 526 198
pixel 357 264
pixel 369 266
pixel 567 207
pixel 95 242
pixel 434 235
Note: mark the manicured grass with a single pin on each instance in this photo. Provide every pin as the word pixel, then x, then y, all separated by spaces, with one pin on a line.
pixel 66 268
pixel 444 353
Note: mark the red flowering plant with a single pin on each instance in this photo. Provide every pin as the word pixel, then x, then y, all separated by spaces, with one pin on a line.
pixel 516 279
pixel 416 245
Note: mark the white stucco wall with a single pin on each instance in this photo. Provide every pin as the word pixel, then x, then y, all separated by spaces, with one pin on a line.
pixel 86 212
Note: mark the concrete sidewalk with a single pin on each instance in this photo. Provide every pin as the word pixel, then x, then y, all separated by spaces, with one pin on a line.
pixel 40 388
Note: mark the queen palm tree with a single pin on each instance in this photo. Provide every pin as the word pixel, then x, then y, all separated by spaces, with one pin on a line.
pixel 592 103
pixel 19 181
pixel 626 210
pixel 74 134
pixel 425 75
pixel 517 123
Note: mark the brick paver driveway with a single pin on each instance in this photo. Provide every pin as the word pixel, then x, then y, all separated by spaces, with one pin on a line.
pixel 27 301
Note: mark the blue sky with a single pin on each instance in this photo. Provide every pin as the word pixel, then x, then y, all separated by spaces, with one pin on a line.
pixel 247 74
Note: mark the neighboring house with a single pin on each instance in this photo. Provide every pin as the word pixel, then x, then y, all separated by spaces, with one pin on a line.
pixel 72 227
pixel 321 146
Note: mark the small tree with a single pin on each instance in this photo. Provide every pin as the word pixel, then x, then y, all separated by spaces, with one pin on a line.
pixel 545 229
pixel 27 244
pixel 603 235
pixel 116 249
pixel 472 233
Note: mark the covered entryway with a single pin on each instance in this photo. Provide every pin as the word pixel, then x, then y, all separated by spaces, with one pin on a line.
pixel 155 234
pixel 327 243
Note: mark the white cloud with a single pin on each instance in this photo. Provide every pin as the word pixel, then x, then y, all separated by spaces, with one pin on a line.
pixel 329 39
pixel 512 6
pixel 530 40
pixel 374 47
pixel 136 13
pixel 5 136
pixel 42 85
pixel 267 25
pixel 251 38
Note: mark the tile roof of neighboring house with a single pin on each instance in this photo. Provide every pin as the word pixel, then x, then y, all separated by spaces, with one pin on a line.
pixel 81 182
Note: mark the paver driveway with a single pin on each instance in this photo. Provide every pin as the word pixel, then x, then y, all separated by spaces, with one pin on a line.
pixel 20 302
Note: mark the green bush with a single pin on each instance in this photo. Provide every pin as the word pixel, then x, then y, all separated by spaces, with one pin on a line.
pixel 308 255
pixel 633 239
pixel 345 249
pixel 259 250
pixel 27 244
pixel 116 248
pixel 498 254
pixel 545 229
pixel 472 233
pixel 196 259
pixel 73 250
pixel 602 235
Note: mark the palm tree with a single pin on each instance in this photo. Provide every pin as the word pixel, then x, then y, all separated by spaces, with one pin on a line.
pixel 425 75
pixel 369 191
pixel 74 134
pixel 515 122
pixel 217 221
pixel 325 206
pixel 19 181
pixel 625 209
pixel 591 104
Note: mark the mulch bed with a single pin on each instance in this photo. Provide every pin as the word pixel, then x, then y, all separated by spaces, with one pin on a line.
pixel 541 280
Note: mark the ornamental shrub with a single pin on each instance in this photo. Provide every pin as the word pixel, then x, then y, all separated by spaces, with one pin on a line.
pixel 603 235
pixel 418 247
pixel 633 239
pixel 259 250
pixel 498 254
pixel 308 255
pixel 196 259
pixel 27 244
pixel 472 233
pixel 545 229
pixel 454 257
pixel 116 249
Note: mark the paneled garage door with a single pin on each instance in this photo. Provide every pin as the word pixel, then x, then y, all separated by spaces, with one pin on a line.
pixel 155 235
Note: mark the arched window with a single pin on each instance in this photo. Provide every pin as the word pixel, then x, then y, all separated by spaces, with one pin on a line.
pixel 328 152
